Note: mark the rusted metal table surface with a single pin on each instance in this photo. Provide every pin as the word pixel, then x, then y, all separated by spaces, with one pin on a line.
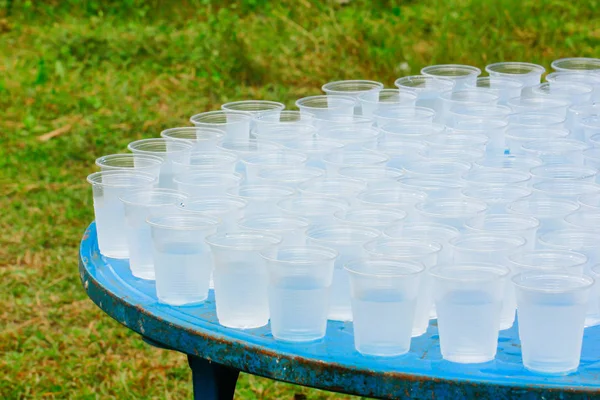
pixel 217 354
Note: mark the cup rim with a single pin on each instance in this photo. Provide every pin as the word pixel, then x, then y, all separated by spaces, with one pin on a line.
pixel 496 271
pixel 217 240
pixel 537 89
pixel 555 65
pixel 505 80
pixel 446 83
pixel 184 146
pixel 95 178
pixel 148 157
pixel 144 197
pixel 482 206
pixel 412 268
pixel 583 172
pixel 433 246
pixel 204 118
pixel 337 87
pixel 253 105
pixel 231 146
pixel 328 254
pixel 291 223
pixel 363 96
pixel 468 70
pixel 219 200
pixel 543 239
pixel 481 94
pixel 223 156
pixel 322 99
pixel 517 259
pixel 180 178
pixel 519 280
pixel 340 203
pixel 276 174
pixel 284 191
pixel 207 133
pixel 196 222
pixel 532 69
pixel 337 228
pixel 264 116
pixel 470 191
pixel 404 191
pixel 400 215
pixel 423 112
pixel 289 155
pixel 550 203
pixel 518 242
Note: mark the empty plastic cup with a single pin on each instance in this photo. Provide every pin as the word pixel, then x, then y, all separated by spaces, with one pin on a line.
pixel 468 299
pixel 539 119
pixel 255 163
pixel 573 92
pixel 370 217
pixel 139 206
pixel 518 162
pixel 453 102
pixel 262 199
pixel 416 131
pixel 526 73
pixel 218 161
pixel 289 176
pixel 556 151
pixel 326 106
pixel 343 121
pixel 228 209
pixel 548 261
pixel 434 188
pixel 579 64
pixel 471 155
pixel 504 88
pixel 182 260
pixel 354 89
pixel 568 189
pixel 318 210
pixel 344 188
pixel 583 121
pixel 561 172
pixel 549 211
pixel 283 118
pixel 204 139
pixel 386 98
pixel 398 115
pixel 458 140
pixel 450 211
pixel 482 177
pixel 281 134
pixel 395 198
pixel 400 152
pixel 462 75
pixel 207 183
pixel 352 137
pixel 507 224
pixel 169 151
pixel 437 169
pixel 374 176
pixel 493 128
pixel 338 159
pixel 577 77
pixel 144 163
pixel 235 124
pixel 315 149
pixel 348 240
pixel 246 148
pixel 497 197
pixel 384 299
pixel 254 107
pixel 427 88
pixel 551 317
pixel 299 288
pixel 517 137
pixel 545 105
pixel 109 211
pixel 291 229
pixel 591 157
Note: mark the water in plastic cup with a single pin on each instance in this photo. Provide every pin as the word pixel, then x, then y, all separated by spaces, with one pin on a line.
pixel 354 89
pixel 468 299
pixel 384 299
pixel 235 124
pixel 315 149
pixel 317 210
pixel 291 229
pixel 395 198
pixel 517 137
pixel 497 197
pixel 203 138
pixel 551 312
pixel 579 64
pixel 169 151
pixel 338 159
pixel 549 211
pixel 241 277
pixel 450 211
pixel 300 279
pixel 548 261
pixel 508 224
pixel 326 106
pixel 182 260
pixel 109 211
pixel 348 241
pixel 504 88
pixel 144 163
pixel 291 177
pixel 262 199
pixel 207 183
pixel 526 73
pixel 462 75
pixel 255 163
pixel 386 98
pixel 139 206
pixel 427 89
pixel 353 137
pixel 371 217
pixel 227 208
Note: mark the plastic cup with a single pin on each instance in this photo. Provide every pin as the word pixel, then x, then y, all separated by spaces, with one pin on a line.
pixel 384 300
pixel 169 151
pixel 354 89
pixel 343 188
pixel 434 188
pixel 437 169
pixel 593 307
pixel 139 206
pixel 395 198
pixel 339 159
pixel 493 128
pixel 417 131
pixel 203 138
pixel 454 101
pixel 109 211
pixel 551 320
pixel 468 298
pixel 182 261
pixel 480 111
pixel 299 286
pixel 217 161
pixel 241 277
pixel 378 218
pixel 526 73
pixel 497 197
pixel 589 201
pixel 147 164
pixel 533 119
pixel 450 211
pixel 411 250
pixel 289 176
pixel 281 134
pixel 326 106
pixel 520 225
pixel 591 157
pixel 317 210
pixel 385 99
pixel 399 115
pixel 504 88
pixel 254 107
pixel 235 124
pixel 246 148
pixel 462 75
pixel 228 209
pixel 427 88
pixel 566 189
pixel 315 149
pixel 457 140
pixel 255 163
pixel 591 130
pixel 207 183
pixel 291 229
pixel 470 155
pixel 352 137
pixel 578 64
pixel 547 261
pixel 544 105
pixel 573 92
pixel 400 152
pixel 344 121
pixel 283 118
pixel 520 162
pixel 549 211
pixel 562 172
pixel 483 177
pixel 517 137
pixel 556 151
pixel 583 121
pixel 348 241
pixel 374 176
pixel 262 199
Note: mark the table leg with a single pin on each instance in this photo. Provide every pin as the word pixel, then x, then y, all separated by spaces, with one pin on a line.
pixel 212 381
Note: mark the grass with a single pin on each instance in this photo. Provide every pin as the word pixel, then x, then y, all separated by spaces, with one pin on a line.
pixel 79 79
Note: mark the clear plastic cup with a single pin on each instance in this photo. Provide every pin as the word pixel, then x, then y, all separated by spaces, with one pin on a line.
pixel 549 211
pixel 593 307
pixel 385 99
pixel 182 260
pixel 109 211
pixel 292 230
pixel 526 73
pixel 291 177
pixel 583 219
pixel 228 209
pixel 556 151
pixel 493 128
pixel 544 261
pixel 169 151
pixel 511 224
pixel 299 288
pixel 434 188
pixel 567 189
pixel 470 155
pixel 235 124
pixel 241 277
pixel 144 163
pixel 400 152
pixel 344 121
pixel 416 131
pixel 457 140
pixel 583 121
pixel 384 299
pixel 578 64
pixel 348 240
pixel 254 107
pixel 468 299
pixel 281 134
pixel 537 119
pixel 315 149
pixel 354 89
pixel 339 159
pixel 462 75
pixel 427 89
pixel 204 139
pixel 504 88
pixel 139 206
pixel 401 114
pixel 369 217
pixel 552 110
pixel 412 250
pixel 395 198
pixel 454 101
pixel 351 137
pixel 218 161
pixel 246 148
pixel 437 169
pixel 562 172
pixel 344 188
pixel 283 118
pixel 374 176
pixel 589 201
pixel 591 157
pixel 517 137
pixel 497 197
pixel 326 106
pixel 318 210
pixel 450 211
pixel 255 163
pixel 481 111
pixel 262 199
pixel 520 162
pixel 551 320
pixel 482 177
pixel 207 183
pixel 573 92
pixel 591 130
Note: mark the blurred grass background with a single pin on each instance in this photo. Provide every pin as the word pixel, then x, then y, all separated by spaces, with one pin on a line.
pixel 79 79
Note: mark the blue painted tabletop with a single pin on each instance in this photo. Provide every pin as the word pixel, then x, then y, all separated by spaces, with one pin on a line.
pixel 331 364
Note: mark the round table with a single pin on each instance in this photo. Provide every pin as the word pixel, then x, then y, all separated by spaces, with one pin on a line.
pixel 217 354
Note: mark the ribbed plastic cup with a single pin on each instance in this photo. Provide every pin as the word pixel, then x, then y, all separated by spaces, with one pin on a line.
pixel 511 224
pixel 217 161
pixel 299 289
pixel 384 299
pixel 579 64
pixel 374 176
pixel 591 157
pixel 556 151
pixel 254 107
pixel 526 73
pixel 348 241
pixel 518 162
pixel 437 169
pixel 577 77
pixel 400 152
pixel 457 100
pixel 255 163
pixel 504 88
pixel 203 138
pixel 182 260
pixel 450 211
pixel 283 118
pixel 479 111
pixel 462 75
pixel 589 201
pixel 551 320
pixel 468 300
pixel 497 197
pixel 315 149
pixel 417 131
pixel 235 124
pixel 583 121
pixel 370 217
pixel 493 128
pixel 318 210
pixel 326 106
pixel 563 172
pixel 281 134
pixel 567 189
pixel 458 141
pixel 291 177
pixel 353 138
pixel 517 137
pixel 427 88
pixel 246 148
pixel 207 183
pixel 228 209
pixel 109 211
pixel 354 89
pixel 574 93
pixel 241 277
pixel 549 211
pixel 412 250
pixel 386 98
pixel 139 206
pixel 470 155
pixel 395 198
pixel 291 229
pixel 343 158
pixel 262 199
pixel 342 188
pixel 169 151
pixel 544 105
pixel 434 188
pixel 537 119
pixel 548 261
pixel 147 164
pixel 400 114
pixel 482 177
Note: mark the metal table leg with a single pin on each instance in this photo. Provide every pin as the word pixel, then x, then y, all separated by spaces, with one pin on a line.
pixel 212 381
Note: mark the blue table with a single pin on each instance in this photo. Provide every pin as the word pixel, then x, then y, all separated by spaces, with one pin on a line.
pixel 216 354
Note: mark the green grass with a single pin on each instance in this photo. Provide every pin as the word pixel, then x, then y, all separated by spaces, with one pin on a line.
pixel 99 74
